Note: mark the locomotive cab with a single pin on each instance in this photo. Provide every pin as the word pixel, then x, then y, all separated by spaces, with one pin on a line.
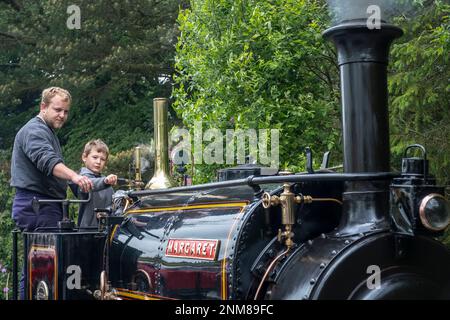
pixel 62 264
pixel 66 262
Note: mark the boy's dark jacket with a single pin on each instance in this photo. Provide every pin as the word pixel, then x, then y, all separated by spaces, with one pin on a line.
pixel 101 198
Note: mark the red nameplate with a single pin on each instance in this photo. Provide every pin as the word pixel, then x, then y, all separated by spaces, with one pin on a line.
pixel 193 248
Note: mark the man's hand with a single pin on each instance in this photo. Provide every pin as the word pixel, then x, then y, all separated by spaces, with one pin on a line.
pixel 83 182
pixel 111 179
pixel 63 172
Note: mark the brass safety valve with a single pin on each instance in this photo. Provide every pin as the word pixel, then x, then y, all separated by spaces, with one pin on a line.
pixel 287 200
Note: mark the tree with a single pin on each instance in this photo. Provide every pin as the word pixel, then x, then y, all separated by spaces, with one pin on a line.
pixel 6 226
pixel 114 64
pixel 419 86
pixel 259 64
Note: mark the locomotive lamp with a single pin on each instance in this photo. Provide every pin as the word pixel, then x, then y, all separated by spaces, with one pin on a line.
pixel 419 205
pixel 434 212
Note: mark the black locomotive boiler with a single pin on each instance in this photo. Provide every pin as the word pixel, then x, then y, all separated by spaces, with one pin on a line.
pixel 366 233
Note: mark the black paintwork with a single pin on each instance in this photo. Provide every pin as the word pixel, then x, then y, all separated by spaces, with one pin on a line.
pixel 338 268
pixel 177 277
pixel 257 182
pixel 243 235
pixel 363 59
pixel 82 249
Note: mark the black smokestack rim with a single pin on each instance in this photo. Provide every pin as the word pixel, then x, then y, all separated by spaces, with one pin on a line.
pixel 357 43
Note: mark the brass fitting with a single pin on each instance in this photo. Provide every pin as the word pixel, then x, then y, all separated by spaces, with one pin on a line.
pixel 286 234
pixel 287 200
pixel 161 177
pixel 137 166
pixel 105 292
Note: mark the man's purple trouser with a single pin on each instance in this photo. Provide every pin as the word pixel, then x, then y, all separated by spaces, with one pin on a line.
pixel 24 216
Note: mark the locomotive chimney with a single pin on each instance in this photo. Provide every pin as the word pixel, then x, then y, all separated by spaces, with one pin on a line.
pixel 363 58
pixel 161 178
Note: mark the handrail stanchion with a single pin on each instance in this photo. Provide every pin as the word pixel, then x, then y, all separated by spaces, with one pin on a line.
pixel 15 280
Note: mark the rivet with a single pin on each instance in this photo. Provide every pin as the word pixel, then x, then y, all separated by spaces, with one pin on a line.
pixel 347 242
pixel 312 281
pixel 333 252
pixel 322 265
pixel 260 267
pixel 323 236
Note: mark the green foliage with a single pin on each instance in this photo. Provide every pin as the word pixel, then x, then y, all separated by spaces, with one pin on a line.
pixel 114 65
pixel 259 64
pixel 419 87
pixel 6 226
pixel 135 127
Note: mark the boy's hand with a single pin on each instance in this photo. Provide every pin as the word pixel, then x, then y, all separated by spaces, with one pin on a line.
pixel 111 179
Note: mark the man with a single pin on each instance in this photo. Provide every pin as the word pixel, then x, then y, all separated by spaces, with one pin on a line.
pixel 37 168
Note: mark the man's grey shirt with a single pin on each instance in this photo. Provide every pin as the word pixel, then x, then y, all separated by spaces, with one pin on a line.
pixel 35 153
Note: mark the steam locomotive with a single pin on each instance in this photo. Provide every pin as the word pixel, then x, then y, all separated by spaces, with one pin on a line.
pixel 366 233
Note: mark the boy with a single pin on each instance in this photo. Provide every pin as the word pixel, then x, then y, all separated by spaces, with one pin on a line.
pixel 95 156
